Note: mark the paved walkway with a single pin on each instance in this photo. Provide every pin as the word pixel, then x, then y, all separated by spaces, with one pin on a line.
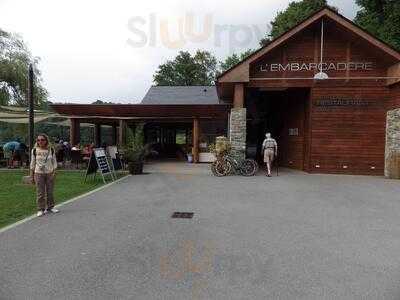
pixel 296 236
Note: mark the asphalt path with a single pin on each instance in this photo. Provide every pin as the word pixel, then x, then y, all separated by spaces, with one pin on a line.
pixel 296 236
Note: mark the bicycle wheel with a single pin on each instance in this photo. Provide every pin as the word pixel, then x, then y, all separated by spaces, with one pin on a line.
pixel 249 167
pixel 228 166
pixel 219 168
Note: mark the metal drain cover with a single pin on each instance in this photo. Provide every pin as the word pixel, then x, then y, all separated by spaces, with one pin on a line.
pixel 182 215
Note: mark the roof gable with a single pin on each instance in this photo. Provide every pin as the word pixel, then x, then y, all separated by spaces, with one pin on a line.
pixel 240 72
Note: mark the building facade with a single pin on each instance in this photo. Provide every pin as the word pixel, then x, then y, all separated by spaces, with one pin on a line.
pixel 323 90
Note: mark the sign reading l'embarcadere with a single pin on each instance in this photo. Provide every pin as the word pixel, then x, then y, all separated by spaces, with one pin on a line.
pixel 301 67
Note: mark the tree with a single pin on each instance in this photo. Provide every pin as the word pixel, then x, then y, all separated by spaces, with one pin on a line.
pixel 294 14
pixel 381 18
pixel 185 69
pixel 14 63
pixel 101 102
pixel 234 59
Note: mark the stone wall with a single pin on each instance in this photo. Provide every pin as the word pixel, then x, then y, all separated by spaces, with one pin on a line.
pixel 237 132
pixel 392 151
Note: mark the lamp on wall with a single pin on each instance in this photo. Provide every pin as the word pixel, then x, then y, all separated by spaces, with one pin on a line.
pixel 321 75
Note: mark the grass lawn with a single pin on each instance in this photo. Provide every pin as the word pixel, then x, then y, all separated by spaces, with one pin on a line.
pixel 18 200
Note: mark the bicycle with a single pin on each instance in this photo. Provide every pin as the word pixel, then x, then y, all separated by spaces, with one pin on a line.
pixel 228 164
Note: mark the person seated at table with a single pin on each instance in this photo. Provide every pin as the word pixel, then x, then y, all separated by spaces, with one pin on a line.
pixel 77 147
pixel 86 150
pixel 91 147
pixel 60 152
pixel 67 150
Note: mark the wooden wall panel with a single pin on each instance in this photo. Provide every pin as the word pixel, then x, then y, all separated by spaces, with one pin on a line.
pixel 352 136
pixel 292 147
pixel 340 47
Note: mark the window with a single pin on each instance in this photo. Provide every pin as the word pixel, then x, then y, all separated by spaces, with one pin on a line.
pixel 180 137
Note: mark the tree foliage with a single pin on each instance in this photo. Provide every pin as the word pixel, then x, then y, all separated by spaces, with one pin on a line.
pixel 101 102
pixel 295 13
pixel 14 63
pixel 381 18
pixel 234 59
pixel 187 69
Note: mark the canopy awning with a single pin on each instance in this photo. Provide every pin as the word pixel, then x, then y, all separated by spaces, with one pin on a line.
pixel 20 115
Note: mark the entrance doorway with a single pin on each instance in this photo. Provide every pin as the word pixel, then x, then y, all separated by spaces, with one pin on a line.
pixel 283 113
pixel 169 140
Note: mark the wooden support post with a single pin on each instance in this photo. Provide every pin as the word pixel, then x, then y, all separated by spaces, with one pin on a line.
pixel 114 134
pixel 122 133
pixel 97 135
pixel 196 140
pixel 238 97
pixel 74 132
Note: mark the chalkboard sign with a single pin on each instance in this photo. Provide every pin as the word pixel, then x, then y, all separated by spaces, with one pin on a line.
pixel 92 166
pixel 98 160
pixel 102 161
pixel 115 158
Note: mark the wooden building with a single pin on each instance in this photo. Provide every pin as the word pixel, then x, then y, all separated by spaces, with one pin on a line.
pixel 177 120
pixel 332 122
pixel 322 89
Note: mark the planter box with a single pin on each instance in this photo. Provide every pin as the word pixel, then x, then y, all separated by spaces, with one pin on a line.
pixel 206 157
pixel 135 168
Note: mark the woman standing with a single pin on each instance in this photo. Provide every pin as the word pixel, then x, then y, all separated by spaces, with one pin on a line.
pixel 43 168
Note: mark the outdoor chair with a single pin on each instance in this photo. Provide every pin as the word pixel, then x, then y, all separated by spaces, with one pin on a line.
pixel 3 160
pixel 60 157
pixel 76 158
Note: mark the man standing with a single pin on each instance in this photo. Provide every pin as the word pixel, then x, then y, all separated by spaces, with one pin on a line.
pixel 270 151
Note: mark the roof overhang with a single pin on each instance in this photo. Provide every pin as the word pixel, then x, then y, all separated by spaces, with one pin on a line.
pixel 141 111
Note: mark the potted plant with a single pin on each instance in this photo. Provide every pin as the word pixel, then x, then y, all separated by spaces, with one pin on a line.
pixel 135 158
pixel 190 157
pixel 221 147
pixel 135 151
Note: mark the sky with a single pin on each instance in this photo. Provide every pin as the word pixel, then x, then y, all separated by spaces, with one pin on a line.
pixel 109 50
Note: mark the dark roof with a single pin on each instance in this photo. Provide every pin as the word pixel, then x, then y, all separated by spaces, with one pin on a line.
pixel 181 95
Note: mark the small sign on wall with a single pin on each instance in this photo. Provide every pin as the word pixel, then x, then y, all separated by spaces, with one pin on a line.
pixel 293 131
pixel 342 102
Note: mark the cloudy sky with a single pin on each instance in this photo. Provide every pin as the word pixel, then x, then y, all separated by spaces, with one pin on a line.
pixel 109 50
